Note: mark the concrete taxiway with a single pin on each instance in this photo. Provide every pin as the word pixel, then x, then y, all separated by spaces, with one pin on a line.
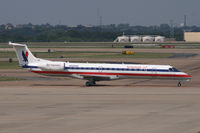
pixel 99 109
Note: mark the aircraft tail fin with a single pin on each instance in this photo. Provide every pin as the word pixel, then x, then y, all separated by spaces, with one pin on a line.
pixel 24 55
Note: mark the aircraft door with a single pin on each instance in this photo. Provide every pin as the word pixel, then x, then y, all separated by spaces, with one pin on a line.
pixel 154 72
pixel 100 69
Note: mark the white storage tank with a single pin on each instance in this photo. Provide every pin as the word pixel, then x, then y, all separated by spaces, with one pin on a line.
pixel 135 39
pixel 122 39
pixel 148 39
pixel 159 39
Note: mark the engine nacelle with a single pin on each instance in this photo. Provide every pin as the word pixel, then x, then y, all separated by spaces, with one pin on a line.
pixel 53 66
pixel 114 77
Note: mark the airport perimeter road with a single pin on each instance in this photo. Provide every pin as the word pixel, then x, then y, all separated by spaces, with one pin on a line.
pixel 101 109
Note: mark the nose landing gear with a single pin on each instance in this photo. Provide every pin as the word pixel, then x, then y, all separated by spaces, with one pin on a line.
pixel 179 84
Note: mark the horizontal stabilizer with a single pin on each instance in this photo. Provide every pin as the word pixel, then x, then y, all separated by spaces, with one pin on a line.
pixel 16 44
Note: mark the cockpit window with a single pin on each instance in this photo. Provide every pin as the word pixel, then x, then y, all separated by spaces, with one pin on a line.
pixel 173 69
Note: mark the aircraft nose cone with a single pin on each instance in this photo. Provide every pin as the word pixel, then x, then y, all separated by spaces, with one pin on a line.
pixel 188 77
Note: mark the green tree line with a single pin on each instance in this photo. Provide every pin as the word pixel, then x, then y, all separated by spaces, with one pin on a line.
pixel 59 33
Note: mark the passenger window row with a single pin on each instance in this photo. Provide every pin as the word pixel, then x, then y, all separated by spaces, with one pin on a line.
pixel 117 69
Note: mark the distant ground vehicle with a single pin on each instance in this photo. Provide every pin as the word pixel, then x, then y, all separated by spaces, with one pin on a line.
pixel 168 46
pixel 128 46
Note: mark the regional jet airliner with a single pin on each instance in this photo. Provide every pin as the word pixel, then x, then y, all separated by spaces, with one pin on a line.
pixel 93 72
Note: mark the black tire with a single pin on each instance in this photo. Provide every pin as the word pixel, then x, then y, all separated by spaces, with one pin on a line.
pixel 87 84
pixel 179 84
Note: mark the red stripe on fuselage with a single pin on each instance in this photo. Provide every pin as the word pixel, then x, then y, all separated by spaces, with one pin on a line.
pixel 123 74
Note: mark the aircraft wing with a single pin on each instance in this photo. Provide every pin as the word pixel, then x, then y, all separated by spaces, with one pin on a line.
pixel 99 77
pixel 96 78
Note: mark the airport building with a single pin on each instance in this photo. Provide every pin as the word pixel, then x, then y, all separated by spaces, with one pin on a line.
pixel 140 38
pixel 192 36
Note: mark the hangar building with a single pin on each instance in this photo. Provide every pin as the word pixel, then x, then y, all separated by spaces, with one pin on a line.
pixel 122 39
pixel 148 39
pixel 135 39
pixel 159 39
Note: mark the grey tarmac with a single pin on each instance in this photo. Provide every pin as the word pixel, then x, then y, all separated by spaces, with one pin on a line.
pixel 99 109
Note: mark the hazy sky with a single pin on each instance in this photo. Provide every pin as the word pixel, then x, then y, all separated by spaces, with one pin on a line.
pixel 73 12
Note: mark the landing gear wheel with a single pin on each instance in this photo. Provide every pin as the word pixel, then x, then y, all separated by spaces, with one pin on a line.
pixel 179 84
pixel 87 84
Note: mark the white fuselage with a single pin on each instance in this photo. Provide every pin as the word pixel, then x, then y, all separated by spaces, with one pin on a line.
pixel 108 71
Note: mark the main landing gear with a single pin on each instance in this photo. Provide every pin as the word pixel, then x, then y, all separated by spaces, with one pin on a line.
pixel 179 84
pixel 90 83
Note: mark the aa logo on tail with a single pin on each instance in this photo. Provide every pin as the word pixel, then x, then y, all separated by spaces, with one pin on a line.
pixel 25 56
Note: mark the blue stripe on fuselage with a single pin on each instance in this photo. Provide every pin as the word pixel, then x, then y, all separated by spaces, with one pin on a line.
pixel 120 69
pixel 29 66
